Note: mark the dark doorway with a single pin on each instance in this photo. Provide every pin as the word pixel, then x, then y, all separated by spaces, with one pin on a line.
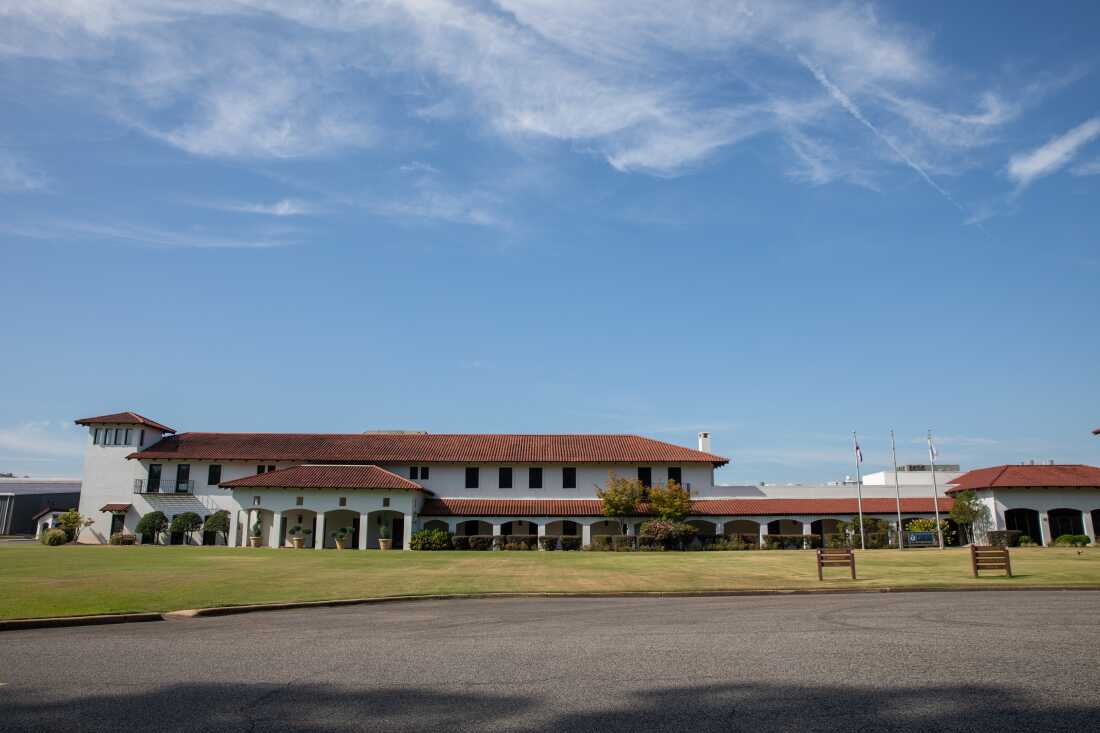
pixel 398 531
pixel 176 538
pixel 1026 521
pixel 1065 521
pixel 209 538
pixel 569 528
pixel 183 478
pixel 118 523
pixel 1095 523
pixel 354 532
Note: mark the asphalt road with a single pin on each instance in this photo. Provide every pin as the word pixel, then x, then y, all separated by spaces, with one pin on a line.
pixel 915 661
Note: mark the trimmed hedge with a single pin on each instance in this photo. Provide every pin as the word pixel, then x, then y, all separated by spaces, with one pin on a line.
pixel 1072 540
pixel 122 538
pixel 548 543
pixel 54 537
pixel 791 541
pixel 570 543
pixel 1005 537
pixel 430 540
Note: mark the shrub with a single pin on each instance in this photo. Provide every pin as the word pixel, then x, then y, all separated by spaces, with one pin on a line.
pixel 784 541
pixel 71 522
pixel 460 542
pixel 54 537
pixel 1025 541
pixel 431 540
pixel 121 538
pixel 622 543
pixel 151 526
pixel 186 523
pixel 1005 537
pixel 520 542
pixel 481 542
pixel 570 543
pixel 1072 540
pixel 548 543
pixel 929 525
pixel 667 534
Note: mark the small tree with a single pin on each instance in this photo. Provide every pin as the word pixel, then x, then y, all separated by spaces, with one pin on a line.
pixel 971 515
pixel 152 525
pixel 71 522
pixel 186 523
pixel 671 501
pixel 620 497
pixel 877 531
pixel 218 522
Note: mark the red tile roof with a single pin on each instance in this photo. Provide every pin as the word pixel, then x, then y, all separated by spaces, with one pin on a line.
pixel 423 448
pixel 43 512
pixel 325 477
pixel 1040 476
pixel 124 418
pixel 115 508
pixel 700 507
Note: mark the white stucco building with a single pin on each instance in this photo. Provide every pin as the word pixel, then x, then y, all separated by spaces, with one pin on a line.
pixel 390 484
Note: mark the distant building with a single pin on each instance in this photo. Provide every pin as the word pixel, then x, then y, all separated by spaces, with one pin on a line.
pixel 22 499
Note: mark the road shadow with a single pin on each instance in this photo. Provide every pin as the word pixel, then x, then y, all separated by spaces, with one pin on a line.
pixel 716 707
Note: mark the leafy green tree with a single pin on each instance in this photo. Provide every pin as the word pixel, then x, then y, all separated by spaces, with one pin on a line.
pixel 152 525
pixel 71 522
pixel 877 531
pixel 929 525
pixel 218 522
pixel 186 523
pixel 620 498
pixel 671 501
pixel 971 515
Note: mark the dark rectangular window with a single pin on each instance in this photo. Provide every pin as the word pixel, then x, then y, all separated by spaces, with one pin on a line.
pixel 214 474
pixel 141 438
pixel 675 474
pixel 261 469
pixel 109 437
pixel 505 477
pixel 95 440
pixel 423 473
pixel 471 477
pixel 414 472
pixel 270 469
pixel 534 477
pixel 127 441
pixel 154 477
pixel 183 475
pixel 569 477
pixel 645 475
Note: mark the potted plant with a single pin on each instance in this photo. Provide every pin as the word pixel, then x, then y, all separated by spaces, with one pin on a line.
pixel 298 535
pixel 256 536
pixel 342 537
pixel 384 540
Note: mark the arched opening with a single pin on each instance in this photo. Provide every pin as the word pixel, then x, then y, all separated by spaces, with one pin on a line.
pixel 1025 521
pixel 826 529
pixel 472 527
pixel 784 526
pixel 746 530
pixel 519 527
pixel 437 524
pixel 300 523
pixel 1065 521
pixel 341 519
pixel 563 528
pixel 385 524
pixel 703 528
pixel 607 527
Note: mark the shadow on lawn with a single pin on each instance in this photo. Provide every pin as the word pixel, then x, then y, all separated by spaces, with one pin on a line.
pixel 717 707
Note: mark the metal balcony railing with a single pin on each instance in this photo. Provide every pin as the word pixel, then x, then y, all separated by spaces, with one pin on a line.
pixel 163 486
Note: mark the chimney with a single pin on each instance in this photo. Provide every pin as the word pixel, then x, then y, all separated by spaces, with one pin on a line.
pixel 704 442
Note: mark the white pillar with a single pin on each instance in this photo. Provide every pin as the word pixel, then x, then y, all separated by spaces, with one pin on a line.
pixel 1044 529
pixel 319 535
pixel 763 530
pixel 234 520
pixel 408 532
pixel 250 517
pixel 586 534
pixel 276 529
pixel 1090 528
pixel 807 530
pixel 364 529
pixel 495 531
pixel 719 527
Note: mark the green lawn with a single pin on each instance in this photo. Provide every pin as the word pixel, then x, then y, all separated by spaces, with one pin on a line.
pixel 77 580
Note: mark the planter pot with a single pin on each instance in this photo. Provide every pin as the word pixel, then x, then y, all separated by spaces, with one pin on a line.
pixel 256 541
pixel 298 542
pixel 385 544
pixel 341 544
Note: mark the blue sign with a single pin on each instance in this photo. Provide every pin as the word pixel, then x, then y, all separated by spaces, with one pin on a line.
pixel 922 539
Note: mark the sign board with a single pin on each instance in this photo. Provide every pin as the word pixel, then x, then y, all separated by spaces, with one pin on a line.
pixel 922 539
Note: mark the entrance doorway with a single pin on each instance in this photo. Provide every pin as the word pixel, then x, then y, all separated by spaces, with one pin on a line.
pixel 118 523
pixel 397 531
pixel 1026 521
pixel 1065 521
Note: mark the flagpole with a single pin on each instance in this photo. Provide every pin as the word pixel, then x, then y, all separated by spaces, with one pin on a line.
pixel 859 494
pixel 897 486
pixel 935 489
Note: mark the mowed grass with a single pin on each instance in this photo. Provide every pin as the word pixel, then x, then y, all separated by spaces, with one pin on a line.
pixel 77 580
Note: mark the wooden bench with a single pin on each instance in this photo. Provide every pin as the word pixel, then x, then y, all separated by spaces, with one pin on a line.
pixel 988 557
pixel 835 557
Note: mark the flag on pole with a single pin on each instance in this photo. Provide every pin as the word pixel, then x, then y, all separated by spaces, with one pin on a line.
pixel 859 453
pixel 933 454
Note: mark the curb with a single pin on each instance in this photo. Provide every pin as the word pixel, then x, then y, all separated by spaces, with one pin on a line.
pixel 190 613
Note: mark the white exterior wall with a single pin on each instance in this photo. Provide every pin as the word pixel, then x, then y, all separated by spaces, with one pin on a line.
pixel 822 491
pixel 109 479
pixel 1042 500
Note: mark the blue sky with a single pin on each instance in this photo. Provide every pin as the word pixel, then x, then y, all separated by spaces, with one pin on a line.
pixel 777 222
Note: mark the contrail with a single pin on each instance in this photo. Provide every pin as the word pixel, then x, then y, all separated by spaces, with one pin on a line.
pixel 844 101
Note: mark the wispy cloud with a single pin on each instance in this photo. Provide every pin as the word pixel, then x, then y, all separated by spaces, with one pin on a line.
pixel 17 176
pixel 417 166
pixel 282 207
pixel 1058 152
pixel 41 439
pixel 143 236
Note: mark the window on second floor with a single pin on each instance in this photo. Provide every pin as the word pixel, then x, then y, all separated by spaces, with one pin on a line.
pixel 423 473
pixel 214 474
pixel 95 438
pixel 569 477
pixel 127 441
pixel 645 475
pixel 505 480
pixel 471 477
pixel 418 472
pixel 534 477
pixel 675 474
pixel 264 469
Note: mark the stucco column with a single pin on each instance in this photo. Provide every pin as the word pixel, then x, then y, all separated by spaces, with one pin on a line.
pixel 495 531
pixel 807 530
pixel 319 535
pixel 586 534
pixel 364 529
pixel 231 538
pixel 1044 528
pixel 719 527
pixel 250 519
pixel 763 530
pixel 408 532
pixel 1090 529
pixel 276 529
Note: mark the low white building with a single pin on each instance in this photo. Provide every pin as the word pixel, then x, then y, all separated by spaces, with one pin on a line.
pixel 386 485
